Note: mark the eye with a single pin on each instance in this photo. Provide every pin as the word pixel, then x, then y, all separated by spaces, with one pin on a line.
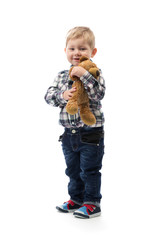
pixel 71 49
pixel 82 49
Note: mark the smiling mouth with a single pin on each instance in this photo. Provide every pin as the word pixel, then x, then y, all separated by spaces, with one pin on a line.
pixel 76 59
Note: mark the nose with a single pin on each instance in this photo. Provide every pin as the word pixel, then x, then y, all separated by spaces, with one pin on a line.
pixel 97 73
pixel 77 51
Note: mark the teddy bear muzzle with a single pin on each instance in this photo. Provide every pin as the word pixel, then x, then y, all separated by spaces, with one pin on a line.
pixel 97 73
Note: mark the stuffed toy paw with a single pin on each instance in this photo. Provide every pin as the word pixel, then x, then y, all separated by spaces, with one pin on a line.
pixel 80 100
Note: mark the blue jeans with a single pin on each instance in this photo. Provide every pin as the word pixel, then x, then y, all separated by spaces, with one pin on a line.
pixel 83 149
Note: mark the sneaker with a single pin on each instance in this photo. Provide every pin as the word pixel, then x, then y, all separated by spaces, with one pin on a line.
pixel 68 206
pixel 87 211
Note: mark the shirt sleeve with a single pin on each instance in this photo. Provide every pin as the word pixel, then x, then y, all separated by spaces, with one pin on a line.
pixel 95 88
pixel 54 95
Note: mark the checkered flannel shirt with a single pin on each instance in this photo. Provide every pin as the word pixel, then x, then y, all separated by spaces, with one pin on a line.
pixel 95 90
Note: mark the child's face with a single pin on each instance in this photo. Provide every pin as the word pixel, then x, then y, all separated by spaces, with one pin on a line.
pixel 77 48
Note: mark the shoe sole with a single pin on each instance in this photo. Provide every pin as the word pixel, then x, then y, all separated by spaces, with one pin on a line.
pixel 65 211
pixel 80 215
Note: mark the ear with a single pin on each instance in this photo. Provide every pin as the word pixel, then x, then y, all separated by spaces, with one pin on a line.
pixel 83 58
pixel 94 52
pixel 65 50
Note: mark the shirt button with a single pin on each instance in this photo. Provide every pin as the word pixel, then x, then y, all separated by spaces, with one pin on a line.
pixel 73 131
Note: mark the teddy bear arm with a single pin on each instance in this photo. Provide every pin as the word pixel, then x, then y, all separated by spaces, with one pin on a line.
pixel 72 104
pixel 83 97
pixel 77 97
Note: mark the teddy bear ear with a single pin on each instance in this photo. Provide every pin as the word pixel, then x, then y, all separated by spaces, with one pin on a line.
pixel 83 58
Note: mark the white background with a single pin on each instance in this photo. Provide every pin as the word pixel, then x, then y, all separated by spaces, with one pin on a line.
pixel 32 179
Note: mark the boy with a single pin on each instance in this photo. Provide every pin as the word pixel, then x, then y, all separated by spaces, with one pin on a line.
pixel 83 146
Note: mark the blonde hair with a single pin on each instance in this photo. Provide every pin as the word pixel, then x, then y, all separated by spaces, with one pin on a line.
pixel 84 32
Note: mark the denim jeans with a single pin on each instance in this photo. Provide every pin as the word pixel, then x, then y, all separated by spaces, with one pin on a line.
pixel 83 149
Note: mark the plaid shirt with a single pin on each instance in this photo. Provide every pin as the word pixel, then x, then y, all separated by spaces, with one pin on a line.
pixel 95 90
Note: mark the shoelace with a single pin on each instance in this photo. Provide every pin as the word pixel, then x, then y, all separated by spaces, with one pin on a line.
pixel 89 207
pixel 70 202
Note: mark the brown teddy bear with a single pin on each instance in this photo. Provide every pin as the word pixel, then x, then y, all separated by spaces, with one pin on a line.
pixel 80 98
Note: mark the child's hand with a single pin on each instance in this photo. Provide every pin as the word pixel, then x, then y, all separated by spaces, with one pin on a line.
pixel 69 93
pixel 77 71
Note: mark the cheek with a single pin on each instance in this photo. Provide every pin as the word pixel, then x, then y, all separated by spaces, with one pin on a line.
pixel 68 55
pixel 87 54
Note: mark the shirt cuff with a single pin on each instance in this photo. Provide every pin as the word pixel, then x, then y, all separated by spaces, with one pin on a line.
pixel 61 99
pixel 88 80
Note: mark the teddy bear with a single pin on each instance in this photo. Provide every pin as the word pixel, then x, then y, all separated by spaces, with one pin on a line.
pixel 80 100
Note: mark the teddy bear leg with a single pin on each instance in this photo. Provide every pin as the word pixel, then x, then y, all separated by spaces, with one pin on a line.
pixel 86 115
pixel 72 107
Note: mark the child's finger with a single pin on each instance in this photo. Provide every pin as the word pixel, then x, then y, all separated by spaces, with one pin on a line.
pixel 73 89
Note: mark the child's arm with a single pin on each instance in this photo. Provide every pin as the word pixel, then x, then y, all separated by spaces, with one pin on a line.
pixel 95 88
pixel 54 95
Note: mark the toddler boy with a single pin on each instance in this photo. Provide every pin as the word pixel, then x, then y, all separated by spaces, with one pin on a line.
pixel 82 145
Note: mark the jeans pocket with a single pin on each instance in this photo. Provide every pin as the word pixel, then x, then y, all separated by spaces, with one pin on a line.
pixel 61 137
pixel 92 138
